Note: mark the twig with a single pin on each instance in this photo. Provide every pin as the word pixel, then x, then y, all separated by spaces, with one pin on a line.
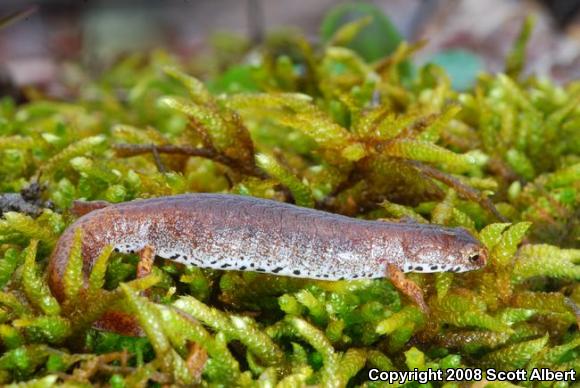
pixel 88 368
pixel 255 21
pixel 462 189
pixel 127 150
pixel 158 377
pixel 14 17
pixel 158 162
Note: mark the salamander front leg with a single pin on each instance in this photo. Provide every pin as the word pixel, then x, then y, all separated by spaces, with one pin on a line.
pixel 146 258
pixel 407 287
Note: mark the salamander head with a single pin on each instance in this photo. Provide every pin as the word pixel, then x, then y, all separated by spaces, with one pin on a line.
pixel 445 250
pixel 472 254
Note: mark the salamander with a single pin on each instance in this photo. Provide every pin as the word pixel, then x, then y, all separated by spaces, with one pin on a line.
pixel 230 232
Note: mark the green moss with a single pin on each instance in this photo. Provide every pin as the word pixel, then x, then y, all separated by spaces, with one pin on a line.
pixel 320 127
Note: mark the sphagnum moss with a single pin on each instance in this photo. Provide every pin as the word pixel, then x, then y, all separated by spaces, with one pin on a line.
pixel 321 127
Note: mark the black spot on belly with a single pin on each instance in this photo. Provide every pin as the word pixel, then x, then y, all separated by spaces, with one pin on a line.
pixel 354 276
pixel 213 262
pixel 341 278
pixel 418 268
pixel 278 269
pixel 260 270
pixel 296 272
pixel 225 266
pixel 251 265
pixel 243 267
pixel 434 267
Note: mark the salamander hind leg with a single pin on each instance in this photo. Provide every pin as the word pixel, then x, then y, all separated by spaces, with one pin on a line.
pixel 407 287
pixel 121 322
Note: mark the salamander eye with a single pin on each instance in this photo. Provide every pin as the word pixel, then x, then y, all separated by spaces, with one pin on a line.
pixel 476 258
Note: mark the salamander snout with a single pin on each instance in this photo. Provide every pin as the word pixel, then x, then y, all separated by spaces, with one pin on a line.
pixel 477 256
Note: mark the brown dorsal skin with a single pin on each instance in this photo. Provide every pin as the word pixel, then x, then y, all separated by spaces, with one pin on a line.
pixel 232 232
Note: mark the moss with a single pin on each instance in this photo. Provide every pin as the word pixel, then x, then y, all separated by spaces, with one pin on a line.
pixel 322 128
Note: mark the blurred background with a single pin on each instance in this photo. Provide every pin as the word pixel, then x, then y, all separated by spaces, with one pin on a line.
pixel 51 32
